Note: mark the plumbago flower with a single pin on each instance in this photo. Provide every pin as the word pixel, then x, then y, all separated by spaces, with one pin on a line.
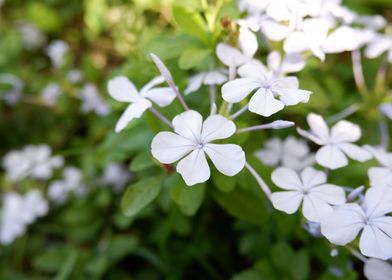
pixel 213 77
pixel 379 45
pixel 381 176
pixel 346 221
pixel 291 152
pixel 336 143
pixel 123 90
pixel 268 88
pixel 192 140
pixel 310 187
pixel 375 269
pixel 92 101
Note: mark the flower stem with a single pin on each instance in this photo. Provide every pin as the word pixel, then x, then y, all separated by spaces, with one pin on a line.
pixel 384 133
pixel 160 116
pixel 356 254
pixel 259 180
pixel 343 114
pixel 212 98
pixel 279 124
pixel 239 112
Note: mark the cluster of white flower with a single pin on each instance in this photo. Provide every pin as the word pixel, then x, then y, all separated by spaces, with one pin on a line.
pixel 32 161
pixel 18 212
pixel 116 175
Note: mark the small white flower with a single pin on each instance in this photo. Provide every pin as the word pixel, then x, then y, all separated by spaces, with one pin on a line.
pixel 56 52
pixel 93 101
pixel 35 206
pixel 33 38
pixel 116 175
pixel 346 221
pixel 123 90
pixel 51 93
pixel 12 96
pixel 375 269
pixel 336 144
pixel 386 110
pixel 291 152
pixel 75 76
pixel 71 183
pixel 190 143
pixel 311 188
pixel 381 176
pixel 379 45
pixel 268 88
pixel 214 77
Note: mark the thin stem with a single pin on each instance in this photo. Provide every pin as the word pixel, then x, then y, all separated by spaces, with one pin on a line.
pixel 160 116
pixel 279 124
pixel 381 76
pixel 356 254
pixel 239 112
pixel 259 180
pixel 212 98
pixel 384 133
pixel 343 114
pixel 358 72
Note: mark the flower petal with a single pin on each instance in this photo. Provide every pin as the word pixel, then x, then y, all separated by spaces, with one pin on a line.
pixel 229 159
pixel 122 89
pixel 377 270
pixel 318 126
pixel 378 201
pixel 274 30
pixel 314 208
pixel 286 178
pixel 380 177
pixel 217 127
pixel 344 131
pixel 287 201
pixel 154 82
pixel 168 147
pixel 310 136
pixel 194 168
pixel 163 96
pixel 343 224
pixel 236 90
pixel 188 124
pixel 329 193
pixel 133 111
pixel 330 156
pixel 290 96
pixel 355 152
pixel 229 55
pixel 264 103
pixel 375 242
pixel 215 77
pixel 311 177
pixel 252 69
pixel 379 45
pixel 194 83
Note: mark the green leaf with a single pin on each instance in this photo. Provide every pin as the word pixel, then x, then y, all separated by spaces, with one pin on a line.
pixel 191 23
pixel 299 267
pixel 242 204
pixel 139 195
pixel 52 259
pixel 282 255
pixel 189 199
pixel 222 182
pixel 45 17
pixel 141 162
pixel 192 57
pixel 68 266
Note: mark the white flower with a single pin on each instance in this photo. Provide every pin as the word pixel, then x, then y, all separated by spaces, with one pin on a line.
pixel 92 101
pixel 123 90
pixel 35 206
pixel 214 77
pixel 386 109
pixel 56 52
pixel 336 144
pixel 346 38
pixel 12 96
pixel 190 143
pixel 291 63
pixel 268 88
pixel 291 152
pixel 33 38
pixel 51 93
pixel 75 76
pixel 311 188
pixel 116 175
pixel 379 45
pixel 346 221
pixel 71 183
pixel 381 176
pixel 33 161
pixel 375 269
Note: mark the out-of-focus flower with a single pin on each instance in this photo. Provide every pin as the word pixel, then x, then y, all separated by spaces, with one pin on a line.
pixel 18 212
pixel 291 63
pixel 51 93
pixel 123 90
pixel 379 45
pixel 268 88
pixel 386 110
pixel 336 144
pixel 12 96
pixel 56 52
pixel 92 101
pixel 291 152
pixel 375 269
pixel 75 76
pixel 346 221
pixel 116 175
pixel 32 161
pixel 190 143
pixel 214 77
pixel 311 188
pixel 33 38
pixel 71 183
pixel 381 176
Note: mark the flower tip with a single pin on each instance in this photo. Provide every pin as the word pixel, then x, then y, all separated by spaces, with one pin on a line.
pixel 279 124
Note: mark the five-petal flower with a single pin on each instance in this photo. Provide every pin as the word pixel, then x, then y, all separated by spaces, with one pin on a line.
pixel 123 90
pixel 190 143
pixel 310 187
pixel 346 221
pixel 336 144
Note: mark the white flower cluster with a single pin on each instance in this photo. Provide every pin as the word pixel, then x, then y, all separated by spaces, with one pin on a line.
pixel 18 212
